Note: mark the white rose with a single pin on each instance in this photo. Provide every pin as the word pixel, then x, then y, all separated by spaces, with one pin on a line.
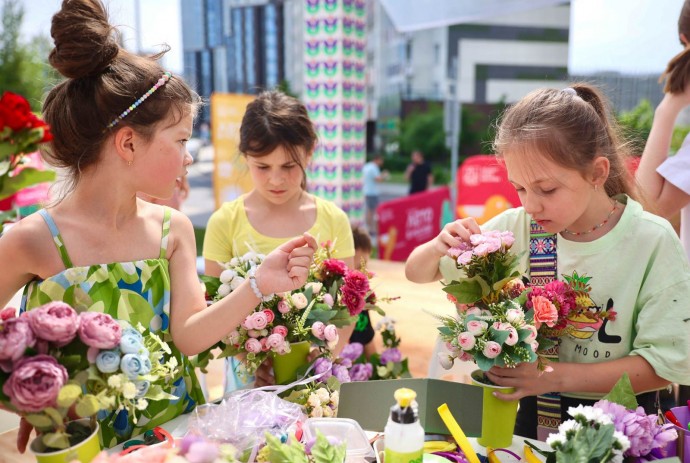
pixel 299 300
pixel 335 398
pixel 315 287
pixel 515 316
pixel 324 397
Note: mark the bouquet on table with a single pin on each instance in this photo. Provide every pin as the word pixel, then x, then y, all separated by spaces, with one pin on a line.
pixel 614 429
pixel 57 365
pixel 333 297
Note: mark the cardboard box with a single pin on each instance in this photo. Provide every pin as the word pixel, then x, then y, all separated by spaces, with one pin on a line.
pixel 369 403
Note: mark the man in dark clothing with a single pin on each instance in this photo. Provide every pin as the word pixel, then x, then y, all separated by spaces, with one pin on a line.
pixel 418 173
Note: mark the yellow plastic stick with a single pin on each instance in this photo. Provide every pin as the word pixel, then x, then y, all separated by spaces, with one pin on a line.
pixel 530 457
pixel 457 433
pixel 491 455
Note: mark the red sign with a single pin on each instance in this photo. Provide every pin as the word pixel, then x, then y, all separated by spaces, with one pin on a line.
pixel 483 188
pixel 405 223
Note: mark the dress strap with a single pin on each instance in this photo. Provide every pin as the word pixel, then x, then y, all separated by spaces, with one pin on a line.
pixel 165 233
pixel 57 239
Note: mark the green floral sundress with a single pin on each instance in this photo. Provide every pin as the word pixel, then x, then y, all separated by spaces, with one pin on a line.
pixel 138 292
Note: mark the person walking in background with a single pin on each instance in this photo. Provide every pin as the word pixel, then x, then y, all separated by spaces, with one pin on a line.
pixel 277 139
pixel 664 180
pixel 418 173
pixel 371 176
pixel 364 332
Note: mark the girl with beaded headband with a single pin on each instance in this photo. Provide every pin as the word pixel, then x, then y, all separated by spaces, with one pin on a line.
pixel 120 124
pixel 563 155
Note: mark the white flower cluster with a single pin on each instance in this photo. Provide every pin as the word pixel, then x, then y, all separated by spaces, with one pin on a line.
pixel 236 272
pixel 321 403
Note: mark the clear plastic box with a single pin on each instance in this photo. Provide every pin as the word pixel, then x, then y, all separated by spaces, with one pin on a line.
pixel 347 430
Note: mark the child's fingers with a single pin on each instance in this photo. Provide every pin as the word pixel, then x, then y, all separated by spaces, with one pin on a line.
pixel 302 261
pixel 299 274
pixel 311 241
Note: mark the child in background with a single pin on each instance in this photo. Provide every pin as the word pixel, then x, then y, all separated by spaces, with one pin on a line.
pixel 364 332
pixel 277 139
pixel 120 124
pixel 563 156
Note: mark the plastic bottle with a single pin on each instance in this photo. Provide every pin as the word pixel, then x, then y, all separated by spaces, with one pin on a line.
pixel 404 435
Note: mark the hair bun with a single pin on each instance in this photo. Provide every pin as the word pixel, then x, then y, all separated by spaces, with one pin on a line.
pixel 85 42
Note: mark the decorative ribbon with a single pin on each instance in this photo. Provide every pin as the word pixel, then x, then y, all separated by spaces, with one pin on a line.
pixel 543 269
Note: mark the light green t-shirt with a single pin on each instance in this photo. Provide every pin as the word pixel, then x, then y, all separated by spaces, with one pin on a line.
pixel 229 233
pixel 638 269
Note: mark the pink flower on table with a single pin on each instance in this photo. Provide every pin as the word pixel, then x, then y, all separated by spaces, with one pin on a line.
pixel 55 322
pixel 281 330
pixel 353 301
pixel 99 330
pixel 357 281
pixel 253 345
pixel 544 312
pixel 15 337
pixel 492 349
pixel 467 341
pixel 35 383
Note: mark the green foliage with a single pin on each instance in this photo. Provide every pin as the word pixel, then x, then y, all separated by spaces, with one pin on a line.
pixel 637 123
pixel 293 452
pixel 623 393
pixel 424 132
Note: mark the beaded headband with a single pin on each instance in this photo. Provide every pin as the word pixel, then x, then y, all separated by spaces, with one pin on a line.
pixel 162 81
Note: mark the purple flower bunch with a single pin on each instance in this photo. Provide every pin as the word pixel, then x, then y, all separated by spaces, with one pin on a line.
pixel 54 360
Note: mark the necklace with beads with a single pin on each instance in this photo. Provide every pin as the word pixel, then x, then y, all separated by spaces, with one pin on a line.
pixel 596 227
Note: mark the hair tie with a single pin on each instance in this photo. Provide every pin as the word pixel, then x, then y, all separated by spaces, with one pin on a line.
pixel 570 91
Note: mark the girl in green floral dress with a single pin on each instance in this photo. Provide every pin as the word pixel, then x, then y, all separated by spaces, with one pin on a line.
pixel 120 123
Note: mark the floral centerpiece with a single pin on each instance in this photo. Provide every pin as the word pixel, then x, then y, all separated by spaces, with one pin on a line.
pixel 614 429
pixel 20 133
pixel 57 365
pixel 332 297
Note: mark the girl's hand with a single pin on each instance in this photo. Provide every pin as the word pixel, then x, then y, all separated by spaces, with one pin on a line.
pixel 264 374
pixel 454 234
pixel 287 267
pixel 525 378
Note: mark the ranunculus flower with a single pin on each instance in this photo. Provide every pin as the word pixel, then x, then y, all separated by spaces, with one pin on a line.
pixel 315 286
pixel 491 349
pixel 283 306
pixel 131 341
pixel 233 338
pixel 391 355
pixel 259 320
pixel 274 341
pixel 35 383
pixel 56 322
pixel 299 300
pixel 357 281
pixel 446 360
pixel 512 337
pixel 270 316
pixel 467 341
pixel 516 316
pixel 108 361
pixel 318 329
pixel 253 345
pixel 328 300
pixel 99 330
pixel 135 365
pixel 15 337
pixel 361 371
pixel 477 327
pixel 354 301
pixel 330 333
pixel 281 330
pixel 352 351
pixel 544 311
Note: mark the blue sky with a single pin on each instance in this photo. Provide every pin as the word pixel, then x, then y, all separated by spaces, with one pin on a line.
pixel 628 36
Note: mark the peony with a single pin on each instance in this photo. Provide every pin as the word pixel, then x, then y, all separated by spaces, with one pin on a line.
pixel 354 301
pixel 35 383
pixel 476 327
pixel 467 341
pixel 391 355
pixel 361 372
pixel 328 300
pixel 56 322
pixel 15 337
pixel 516 316
pixel 318 329
pixel 99 330
pixel 283 306
pixel 334 267
pixel 357 282
pixel 544 311
pixel 274 341
pixel 492 349
pixel 352 351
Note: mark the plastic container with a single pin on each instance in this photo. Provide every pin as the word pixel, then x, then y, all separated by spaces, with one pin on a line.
pixel 346 430
pixel 404 434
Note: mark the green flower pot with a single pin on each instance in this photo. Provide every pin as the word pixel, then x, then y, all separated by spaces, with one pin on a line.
pixel 498 416
pixel 84 451
pixel 285 366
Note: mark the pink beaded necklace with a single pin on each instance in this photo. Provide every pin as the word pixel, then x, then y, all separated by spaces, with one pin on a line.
pixel 596 227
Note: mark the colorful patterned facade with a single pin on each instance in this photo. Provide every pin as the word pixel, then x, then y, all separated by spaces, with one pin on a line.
pixel 335 95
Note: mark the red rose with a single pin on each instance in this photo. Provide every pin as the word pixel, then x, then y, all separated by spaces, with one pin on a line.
pixel 16 111
pixel 357 281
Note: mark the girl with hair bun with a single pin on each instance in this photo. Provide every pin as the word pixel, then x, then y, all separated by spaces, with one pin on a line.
pixel 120 124
pixel 564 157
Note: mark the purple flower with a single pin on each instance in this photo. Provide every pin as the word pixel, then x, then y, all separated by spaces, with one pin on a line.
pixel 341 374
pixel 391 355
pixel 323 365
pixel 15 337
pixel 361 371
pixel 352 351
pixel 56 322
pixel 35 382
pixel 99 330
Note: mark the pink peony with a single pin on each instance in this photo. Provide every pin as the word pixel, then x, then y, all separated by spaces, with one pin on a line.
pixel 270 316
pixel 353 301
pixel 274 341
pixel 15 337
pixel 281 330
pixel 253 345
pixel 357 281
pixel 544 311
pixel 35 383
pixel 7 313
pixel 492 349
pixel 99 330
pixel 56 322
pixel 334 267
pixel 467 341
pixel 328 300
pixel 476 327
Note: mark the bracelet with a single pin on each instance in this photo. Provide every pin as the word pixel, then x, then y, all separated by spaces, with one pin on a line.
pixel 251 275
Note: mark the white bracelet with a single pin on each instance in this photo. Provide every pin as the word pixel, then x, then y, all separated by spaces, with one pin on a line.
pixel 251 274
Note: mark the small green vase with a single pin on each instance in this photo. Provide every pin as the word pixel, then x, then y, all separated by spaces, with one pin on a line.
pixel 285 366
pixel 498 416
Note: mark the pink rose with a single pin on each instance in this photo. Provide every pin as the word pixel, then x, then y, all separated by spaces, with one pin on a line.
pixel 357 281
pixel 472 310
pixel 35 383
pixel 15 337
pixel 476 327
pixel 259 320
pixel 274 341
pixel 352 300
pixel 328 300
pixel 492 349
pixel 283 306
pixel 56 322
pixel 544 312
pixel 532 333
pixel 264 345
pixel 281 330
pixel 99 330
pixel 330 333
pixel 270 316
pixel 466 341
pixel 508 239
pixel 318 329
pixel 253 345
pixel 465 357
pixel 512 337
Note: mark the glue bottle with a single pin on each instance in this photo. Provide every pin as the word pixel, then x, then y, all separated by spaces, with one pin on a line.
pixel 404 435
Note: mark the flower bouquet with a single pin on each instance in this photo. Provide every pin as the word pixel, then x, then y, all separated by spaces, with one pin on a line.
pixel 332 297
pixel 57 366
pixel 614 429
pixel 20 133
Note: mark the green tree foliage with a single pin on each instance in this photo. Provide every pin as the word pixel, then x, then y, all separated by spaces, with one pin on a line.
pixel 24 67
pixel 637 123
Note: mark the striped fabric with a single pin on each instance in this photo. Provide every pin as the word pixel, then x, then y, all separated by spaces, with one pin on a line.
pixel 543 269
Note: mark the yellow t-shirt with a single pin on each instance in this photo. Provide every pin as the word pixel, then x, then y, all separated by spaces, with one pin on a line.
pixel 229 233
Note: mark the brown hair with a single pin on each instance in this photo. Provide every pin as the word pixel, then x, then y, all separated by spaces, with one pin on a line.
pixel 275 119
pixel 361 238
pixel 571 127
pixel 102 81
pixel 677 71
